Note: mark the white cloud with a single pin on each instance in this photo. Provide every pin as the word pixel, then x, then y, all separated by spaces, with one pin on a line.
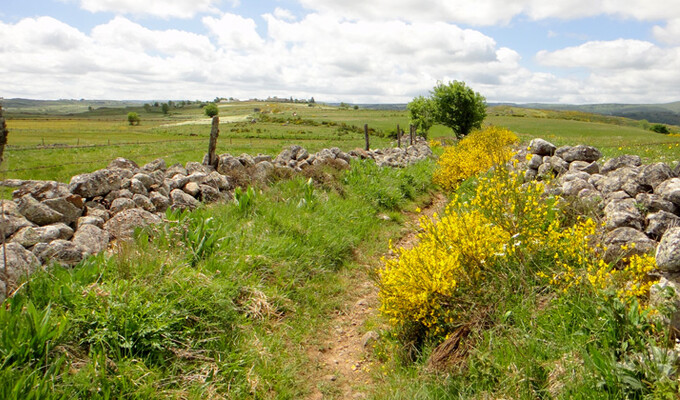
pixel 158 8
pixel 616 54
pixel 233 31
pixel 669 34
pixel 284 14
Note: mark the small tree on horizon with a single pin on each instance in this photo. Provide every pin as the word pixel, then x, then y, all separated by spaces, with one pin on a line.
pixel 165 108
pixel 133 118
pixel 211 110
pixel 421 114
pixel 458 107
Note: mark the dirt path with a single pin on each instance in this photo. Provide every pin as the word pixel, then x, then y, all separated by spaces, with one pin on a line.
pixel 342 369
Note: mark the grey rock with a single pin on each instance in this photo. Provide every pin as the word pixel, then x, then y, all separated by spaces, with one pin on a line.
pixel 369 339
pixel 588 167
pixel 654 203
pixel 653 175
pixel 89 220
pixel 615 180
pixel 122 204
pixel 146 179
pixel 91 239
pixel 633 187
pixel 559 165
pixel 616 196
pixel 123 163
pixel 136 186
pixel 216 180
pixel 178 181
pixel 119 194
pixel 635 242
pixel 193 167
pixel 97 212
pixel 530 175
pixel 183 201
pixel 668 251
pixel 123 224
pixel 98 183
pixel 163 189
pixel 575 186
pixel 155 165
pixel 542 147
pixel 160 202
pixel 262 157
pixel 246 160
pixel 158 177
pixel 572 175
pixel 669 191
pixel 21 263
pixel 411 150
pixel 227 163
pixel 545 171
pixel 37 212
pixel 191 189
pixel 622 213
pixel 659 222
pixel 625 160
pixel 578 153
pixel 59 251
pixel 174 170
pixel 262 170
pixel 71 207
pixel 8 207
pixel 9 224
pixel 144 203
pixel 42 190
pixel 197 177
pixel 209 194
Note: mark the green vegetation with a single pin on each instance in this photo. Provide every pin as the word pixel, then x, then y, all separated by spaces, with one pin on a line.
pixel 459 107
pixel 133 118
pixel 211 110
pixel 421 114
pixel 659 128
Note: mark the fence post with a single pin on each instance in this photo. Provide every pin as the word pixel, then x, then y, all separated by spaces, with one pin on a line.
pixel 398 136
pixel 366 136
pixel 212 147
pixel 3 141
pixel 3 135
pixel 411 129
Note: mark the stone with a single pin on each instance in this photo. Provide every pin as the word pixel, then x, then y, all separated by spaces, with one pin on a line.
pixel 226 163
pixel 89 220
pixel 8 207
pixel 119 194
pixel 535 161
pixel 98 183
pixel 178 181
pixel 37 212
pixel 545 171
pixel 621 213
pixel 159 201
pixel 98 212
pixel 667 293
pixel 590 168
pixel 9 224
pixel 123 224
pixel 559 165
pixel 197 177
pixel 542 147
pixel 659 222
pixel 91 239
pixel 262 170
pixel 668 251
pixel 217 180
pixel 192 189
pixel 42 190
pixel 632 241
pixel 578 153
pixel 668 190
pixel 183 201
pixel 71 207
pixel 59 251
pixel 633 187
pixel 123 163
pixel 262 157
pixel 122 204
pixel 193 167
pixel 136 187
pixel 155 165
pixel 654 203
pixel 209 194
pixel 369 339
pixel 21 263
pixel 174 170
pixel 653 175
pixel 530 175
pixel 625 160
pixel 615 180
pixel 246 160
pixel 575 186
pixel 30 236
pixel 144 203
pixel 411 150
pixel 146 179
pixel 157 177
pixel 572 175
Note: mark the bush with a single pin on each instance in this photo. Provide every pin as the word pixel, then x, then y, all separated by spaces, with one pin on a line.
pixel 659 128
pixel 133 118
pixel 211 110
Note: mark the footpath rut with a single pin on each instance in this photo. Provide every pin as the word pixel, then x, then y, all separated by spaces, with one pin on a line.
pixel 340 367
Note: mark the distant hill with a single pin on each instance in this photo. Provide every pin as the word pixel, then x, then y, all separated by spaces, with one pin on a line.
pixel 668 113
pixel 28 106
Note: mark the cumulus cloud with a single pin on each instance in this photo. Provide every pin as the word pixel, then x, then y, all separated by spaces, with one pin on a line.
pixel 669 34
pixel 234 32
pixel 158 8
pixel 616 54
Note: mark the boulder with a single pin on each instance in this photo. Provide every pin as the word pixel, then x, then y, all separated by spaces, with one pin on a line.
pixel 146 179
pixel 542 147
pixel 262 157
pixel 246 160
pixel 90 220
pixel 530 175
pixel 654 203
pixel 545 171
pixel 197 177
pixel 174 170
pixel 123 163
pixel 98 212
pixel 621 213
pixel 160 202
pixel 136 186
pixel 42 190
pixel 668 190
pixel 575 186
pixel 144 203
pixel 193 167
pixel 37 212
pixel 8 207
pixel 9 224
pixel 155 165
pixel 578 153
pixel 590 168
pixel 122 204
pixel 559 165
pixel 183 201
pixel 98 183
pixel 659 222
pixel 91 239
pixel 30 236
pixel 615 180
pixel 59 251
pixel 71 207
pixel 20 263
pixel 192 189
pixel 209 194
pixel 123 224
pixel 119 194
pixel 625 242
pixel 668 251
pixel 216 180
pixel 226 163
pixel 625 160
pixel 262 170
pixel 653 175
pixel 178 181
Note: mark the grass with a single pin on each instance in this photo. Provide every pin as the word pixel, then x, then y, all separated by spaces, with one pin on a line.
pixel 216 302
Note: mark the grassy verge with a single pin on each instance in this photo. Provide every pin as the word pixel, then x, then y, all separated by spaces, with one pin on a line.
pixel 214 303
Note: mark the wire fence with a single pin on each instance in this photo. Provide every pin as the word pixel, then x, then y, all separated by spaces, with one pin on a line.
pixel 55 146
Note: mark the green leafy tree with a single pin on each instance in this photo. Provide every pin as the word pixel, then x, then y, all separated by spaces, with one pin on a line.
pixel 211 110
pixel 133 118
pixel 165 108
pixel 659 128
pixel 458 107
pixel 421 114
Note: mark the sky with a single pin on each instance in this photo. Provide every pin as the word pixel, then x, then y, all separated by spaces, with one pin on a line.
pixel 356 51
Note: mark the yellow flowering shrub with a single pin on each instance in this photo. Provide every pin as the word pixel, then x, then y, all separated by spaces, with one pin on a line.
pixel 476 153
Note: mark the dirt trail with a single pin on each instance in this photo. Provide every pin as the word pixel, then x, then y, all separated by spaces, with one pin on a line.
pixel 342 370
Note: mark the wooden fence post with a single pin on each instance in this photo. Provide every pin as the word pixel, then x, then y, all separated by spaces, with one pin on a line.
pixel 3 141
pixel 366 136
pixel 411 129
pixel 3 135
pixel 398 136
pixel 212 147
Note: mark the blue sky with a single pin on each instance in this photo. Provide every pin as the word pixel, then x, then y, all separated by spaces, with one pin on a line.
pixel 382 51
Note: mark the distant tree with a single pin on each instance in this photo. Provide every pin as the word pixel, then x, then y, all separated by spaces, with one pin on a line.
pixel 356 107
pixel 155 104
pixel 133 118
pixel 165 108
pixel 343 105
pixel 311 101
pixel 458 107
pixel 147 107
pixel 90 108
pixel 421 114
pixel 211 110
pixel 659 128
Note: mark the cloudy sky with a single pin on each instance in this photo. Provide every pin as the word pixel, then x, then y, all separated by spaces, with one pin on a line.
pixel 360 51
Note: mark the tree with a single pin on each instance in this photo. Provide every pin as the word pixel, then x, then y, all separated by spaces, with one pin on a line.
pixel 458 107
pixel 165 108
pixel 659 128
pixel 421 114
pixel 211 110
pixel 133 118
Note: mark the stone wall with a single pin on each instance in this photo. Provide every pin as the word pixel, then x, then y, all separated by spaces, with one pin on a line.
pixel 49 221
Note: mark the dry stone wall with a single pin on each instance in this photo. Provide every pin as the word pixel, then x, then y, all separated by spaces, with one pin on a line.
pixel 51 221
